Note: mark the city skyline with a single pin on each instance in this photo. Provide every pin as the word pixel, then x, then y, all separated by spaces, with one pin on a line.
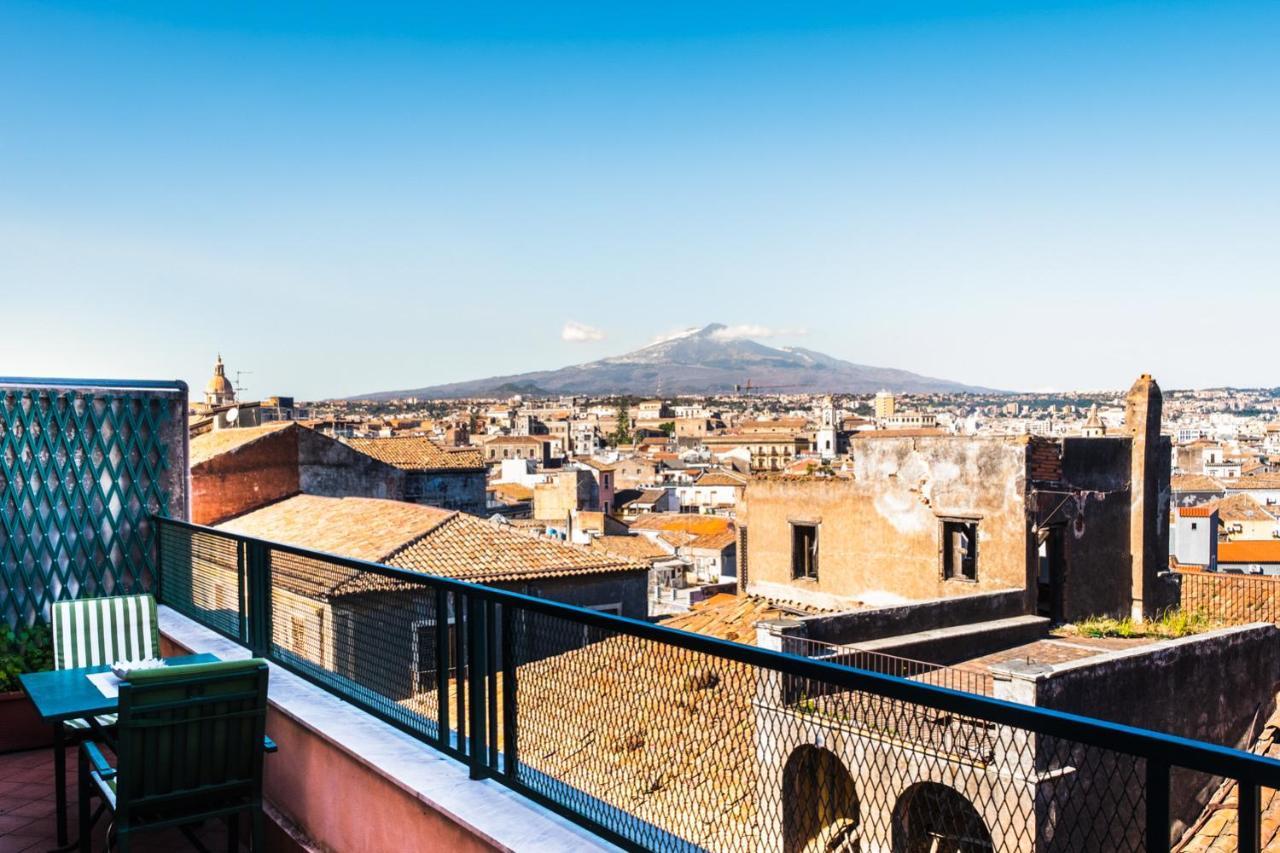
pixel 338 201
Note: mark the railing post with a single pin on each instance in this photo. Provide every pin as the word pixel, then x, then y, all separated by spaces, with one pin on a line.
pixel 1249 810
pixel 257 569
pixel 1157 806
pixel 242 602
pixel 477 659
pixel 509 765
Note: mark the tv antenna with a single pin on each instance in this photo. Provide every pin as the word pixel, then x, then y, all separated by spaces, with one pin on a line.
pixel 240 386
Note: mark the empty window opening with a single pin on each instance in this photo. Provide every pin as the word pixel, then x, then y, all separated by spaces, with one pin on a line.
pixel 804 551
pixel 960 550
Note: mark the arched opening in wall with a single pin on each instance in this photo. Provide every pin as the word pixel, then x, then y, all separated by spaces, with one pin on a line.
pixel 932 818
pixel 819 804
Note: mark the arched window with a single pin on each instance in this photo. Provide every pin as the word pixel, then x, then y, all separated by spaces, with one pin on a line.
pixel 932 818
pixel 819 803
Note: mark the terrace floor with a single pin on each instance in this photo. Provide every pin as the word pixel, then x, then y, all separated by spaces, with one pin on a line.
pixel 27 807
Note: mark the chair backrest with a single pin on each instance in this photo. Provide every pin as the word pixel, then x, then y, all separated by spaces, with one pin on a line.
pixel 189 741
pixel 96 631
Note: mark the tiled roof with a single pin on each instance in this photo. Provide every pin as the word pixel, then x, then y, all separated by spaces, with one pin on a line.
pixel 1194 483
pixel 1253 481
pixel 640 548
pixel 720 478
pixel 1241 507
pixel 511 491
pixel 1195 511
pixel 699 525
pixel 1249 551
pixel 219 441
pixel 648 496
pixel 471 549
pixel 410 536
pixel 517 439
pixel 734 617
pixel 419 453
pixel 362 528
pixel 716 541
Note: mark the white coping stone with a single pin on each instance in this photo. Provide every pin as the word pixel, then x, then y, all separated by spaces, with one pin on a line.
pixel 486 808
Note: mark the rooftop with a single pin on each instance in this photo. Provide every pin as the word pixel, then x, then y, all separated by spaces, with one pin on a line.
pixel 440 542
pixel 218 441
pixel 419 453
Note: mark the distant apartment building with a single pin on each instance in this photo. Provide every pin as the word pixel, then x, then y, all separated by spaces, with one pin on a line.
pixel 767 450
pixel 885 405
pixel 499 448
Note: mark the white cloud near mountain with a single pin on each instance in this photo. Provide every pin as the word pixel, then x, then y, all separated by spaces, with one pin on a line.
pixel 578 333
pixel 749 330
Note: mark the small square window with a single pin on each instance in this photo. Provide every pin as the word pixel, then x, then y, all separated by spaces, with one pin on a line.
pixel 804 551
pixel 960 550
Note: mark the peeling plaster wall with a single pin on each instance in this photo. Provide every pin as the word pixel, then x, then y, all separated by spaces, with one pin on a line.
pixel 880 532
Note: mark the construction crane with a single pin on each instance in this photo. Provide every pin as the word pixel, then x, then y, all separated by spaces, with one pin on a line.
pixel 749 387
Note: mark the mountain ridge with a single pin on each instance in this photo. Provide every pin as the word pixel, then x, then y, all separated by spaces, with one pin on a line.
pixel 704 360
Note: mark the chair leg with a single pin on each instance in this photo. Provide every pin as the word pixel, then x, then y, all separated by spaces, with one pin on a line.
pixel 257 836
pixel 233 833
pixel 86 823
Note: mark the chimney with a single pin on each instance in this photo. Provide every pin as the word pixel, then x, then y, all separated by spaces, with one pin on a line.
pixel 1149 497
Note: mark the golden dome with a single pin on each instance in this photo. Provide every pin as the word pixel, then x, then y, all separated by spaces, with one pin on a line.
pixel 219 385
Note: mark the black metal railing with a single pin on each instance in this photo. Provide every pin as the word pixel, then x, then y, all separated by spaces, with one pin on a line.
pixel 659 739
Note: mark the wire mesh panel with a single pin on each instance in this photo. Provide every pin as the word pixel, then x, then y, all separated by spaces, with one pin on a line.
pixel 83 468
pixel 674 749
pixel 202 574
pixel 364 635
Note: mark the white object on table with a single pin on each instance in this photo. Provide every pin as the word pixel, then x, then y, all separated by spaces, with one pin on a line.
pixel 108 683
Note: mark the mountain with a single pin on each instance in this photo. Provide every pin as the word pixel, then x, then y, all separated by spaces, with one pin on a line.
pixel 699 361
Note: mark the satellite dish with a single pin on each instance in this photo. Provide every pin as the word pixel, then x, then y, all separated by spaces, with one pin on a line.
pixel 233 414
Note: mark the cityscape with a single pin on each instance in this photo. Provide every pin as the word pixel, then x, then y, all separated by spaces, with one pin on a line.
pixel 744 429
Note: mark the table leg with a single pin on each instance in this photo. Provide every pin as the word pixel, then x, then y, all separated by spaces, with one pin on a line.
pixel 60 781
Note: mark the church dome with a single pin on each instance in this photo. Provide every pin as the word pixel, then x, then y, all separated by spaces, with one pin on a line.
pixel 219 385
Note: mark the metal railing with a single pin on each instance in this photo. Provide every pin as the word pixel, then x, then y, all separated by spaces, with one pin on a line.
pixel 1230 598
pixel 966 680
pixel 658 739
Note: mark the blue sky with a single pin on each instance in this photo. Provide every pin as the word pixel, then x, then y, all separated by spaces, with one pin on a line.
pixel 345 198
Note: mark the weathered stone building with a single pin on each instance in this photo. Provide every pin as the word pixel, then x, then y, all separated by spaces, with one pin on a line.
pixel 234 471
pixel 450 478
pixel 930 517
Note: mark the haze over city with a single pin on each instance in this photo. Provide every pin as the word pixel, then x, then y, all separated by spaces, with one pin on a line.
pixel 1008 195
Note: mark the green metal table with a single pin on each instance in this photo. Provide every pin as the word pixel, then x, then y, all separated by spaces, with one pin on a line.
pixel 68 694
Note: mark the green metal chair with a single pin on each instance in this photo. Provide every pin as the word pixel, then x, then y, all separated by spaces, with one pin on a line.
pixel 189 747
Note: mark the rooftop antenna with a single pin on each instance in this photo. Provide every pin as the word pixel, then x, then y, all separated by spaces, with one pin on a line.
pixel 239 386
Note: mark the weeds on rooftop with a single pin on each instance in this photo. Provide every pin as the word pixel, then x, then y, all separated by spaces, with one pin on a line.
pixel 1170 624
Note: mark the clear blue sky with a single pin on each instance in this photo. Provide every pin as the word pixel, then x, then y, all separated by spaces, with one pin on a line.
pixel 344 198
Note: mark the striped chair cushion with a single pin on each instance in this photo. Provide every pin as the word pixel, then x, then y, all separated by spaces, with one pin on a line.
pixel 96 631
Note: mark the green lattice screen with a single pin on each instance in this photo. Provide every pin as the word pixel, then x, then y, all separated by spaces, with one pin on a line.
pixel 84 464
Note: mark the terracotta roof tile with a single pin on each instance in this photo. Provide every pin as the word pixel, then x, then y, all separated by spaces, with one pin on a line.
pixel 219 441
pixel 1194 483
pixel 419 453
pixel 410 536
pixel 471 549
